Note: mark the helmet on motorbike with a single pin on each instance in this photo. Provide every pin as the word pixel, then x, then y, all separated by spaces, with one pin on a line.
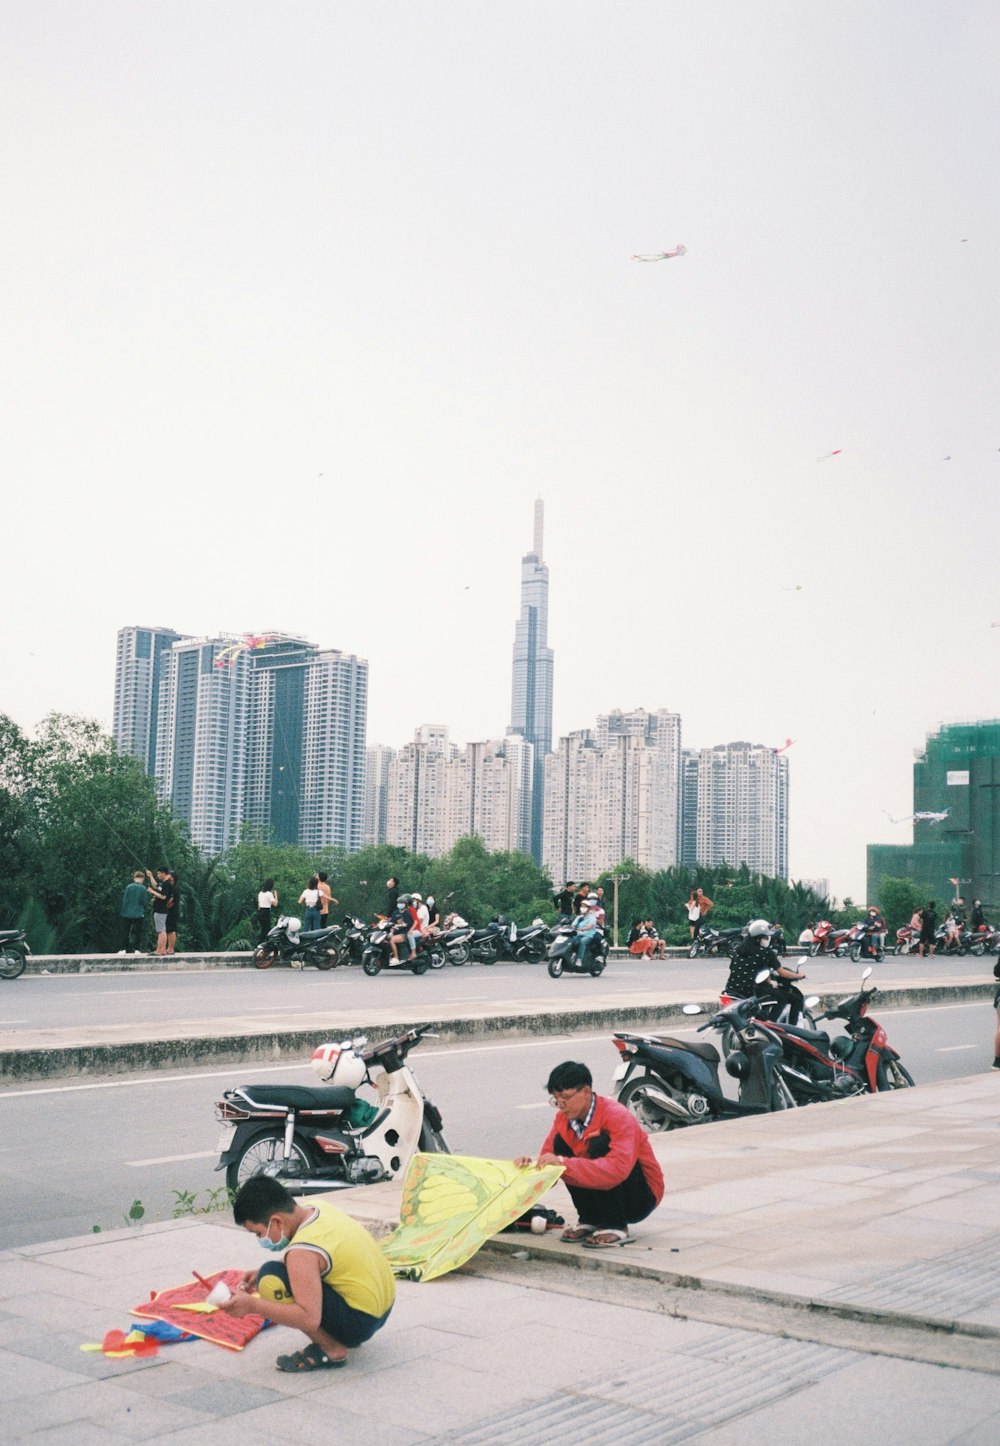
pixel 738 1065
pixel 841 1046
pixel 759 929
pixel 337 1064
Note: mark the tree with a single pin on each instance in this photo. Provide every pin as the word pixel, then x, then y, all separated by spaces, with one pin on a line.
pixel 898 899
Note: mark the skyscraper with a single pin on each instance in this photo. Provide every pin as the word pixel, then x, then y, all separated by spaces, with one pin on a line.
pixel 531 686
pixel 742 807
pixel 138 675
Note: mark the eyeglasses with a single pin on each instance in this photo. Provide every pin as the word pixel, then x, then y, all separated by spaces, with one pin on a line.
pixel 564 1096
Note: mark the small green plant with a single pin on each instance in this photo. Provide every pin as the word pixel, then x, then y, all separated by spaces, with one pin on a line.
pixel 135 1213
pixel 186 1202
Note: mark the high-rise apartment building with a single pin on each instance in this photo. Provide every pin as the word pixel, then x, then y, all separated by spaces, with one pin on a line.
pixel 436 793
pixel 957 775
pixel 612 793
pixel 742 807
pixel 274 737
pixel 138 675
pixel 531 684
pixel 378 759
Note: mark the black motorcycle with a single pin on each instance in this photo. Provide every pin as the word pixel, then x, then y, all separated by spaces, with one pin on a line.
pixel 563 953
pixel 714 941
pixel 456 944
pixel 14 953
pixel 668 1083
pixel 491 943
pixel 428 953
pixel 287 944
pixel 530 944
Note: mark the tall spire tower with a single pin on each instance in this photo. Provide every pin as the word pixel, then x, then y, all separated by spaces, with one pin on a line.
pixel 531 689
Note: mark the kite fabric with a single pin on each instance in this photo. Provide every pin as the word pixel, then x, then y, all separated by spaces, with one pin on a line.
pixel 452 1204
pixel 184 1306
pixel 663 255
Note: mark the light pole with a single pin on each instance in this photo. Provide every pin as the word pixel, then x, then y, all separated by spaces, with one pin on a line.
pixel 617 879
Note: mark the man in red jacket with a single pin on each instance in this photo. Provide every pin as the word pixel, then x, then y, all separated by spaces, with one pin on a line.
pixel 612 1175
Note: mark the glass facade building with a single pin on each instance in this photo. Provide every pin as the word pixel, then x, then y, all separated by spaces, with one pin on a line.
pixel 531 682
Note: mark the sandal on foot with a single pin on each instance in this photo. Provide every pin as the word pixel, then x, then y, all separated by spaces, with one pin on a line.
pixel 576 1233
pixel 313 1358
pixel 608 1239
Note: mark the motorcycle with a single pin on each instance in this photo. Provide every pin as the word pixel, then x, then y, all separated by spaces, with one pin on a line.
pixel 773 1011
pixel 428 953
pixel 355 937
pixel 668 1083
pixel 714 941
pixel 907 939
pixel 456 944
pixel 492 943
pixel 14 953
pixel 562 953
pixel 529 945
pixel 828 940
pixel 860 1061
pixel 328 1138
pixel 861 946
pixel 286 944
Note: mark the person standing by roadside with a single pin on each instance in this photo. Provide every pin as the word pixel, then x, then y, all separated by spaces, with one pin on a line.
pixel 161 895
pixel 580 897
pixel 392 896
pixel 133 915
pixel 173 909
pixel 697 906
pixel 310 897
pixel 267 900
pixel 325 900
pixel 928 929
pixel 564 902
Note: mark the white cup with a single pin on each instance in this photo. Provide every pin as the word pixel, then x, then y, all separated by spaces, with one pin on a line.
pixel 220 1294
pixel 538 1224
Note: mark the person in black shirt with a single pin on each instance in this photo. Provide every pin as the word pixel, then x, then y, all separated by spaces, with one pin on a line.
pixel 392 897
pixel 928 930
pixel 564 901
pixel 977 919
pixel 753 954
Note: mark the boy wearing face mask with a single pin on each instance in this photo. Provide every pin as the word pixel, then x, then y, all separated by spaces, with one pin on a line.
pixel 334 1283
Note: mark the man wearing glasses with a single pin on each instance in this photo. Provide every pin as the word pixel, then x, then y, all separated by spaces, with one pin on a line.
pixel 612 1175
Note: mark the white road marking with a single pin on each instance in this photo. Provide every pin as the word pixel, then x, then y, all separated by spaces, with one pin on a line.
pixel 951 1048
pixel 174 1159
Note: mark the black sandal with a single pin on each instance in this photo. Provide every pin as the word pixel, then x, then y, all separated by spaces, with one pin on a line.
pixel 313 1358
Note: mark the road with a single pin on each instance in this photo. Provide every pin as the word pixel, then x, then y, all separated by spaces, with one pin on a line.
pixel 77 1155
pixel 61 1001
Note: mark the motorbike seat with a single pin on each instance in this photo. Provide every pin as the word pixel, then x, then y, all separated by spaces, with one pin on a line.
pixel 701 1048
pixel 316 936
pixel 9 934
pixel 811 1036
pixel 300 1097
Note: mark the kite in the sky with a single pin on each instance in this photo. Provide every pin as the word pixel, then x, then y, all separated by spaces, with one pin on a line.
pixel 453 1204
pixel 786 745
pixel 247 644
pixel 796 588
pixel 924 816
pixel 827 455
pixel 663 255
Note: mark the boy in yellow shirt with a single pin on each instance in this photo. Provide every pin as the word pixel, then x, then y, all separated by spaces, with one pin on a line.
pixel 334 1284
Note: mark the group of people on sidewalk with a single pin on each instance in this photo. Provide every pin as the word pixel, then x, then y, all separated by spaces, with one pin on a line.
pixel 163 890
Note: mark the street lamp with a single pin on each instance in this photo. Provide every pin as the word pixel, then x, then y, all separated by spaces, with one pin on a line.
pixel 617 879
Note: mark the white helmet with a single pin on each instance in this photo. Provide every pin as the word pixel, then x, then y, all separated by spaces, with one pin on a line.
pixel 759 929
pixel 337 1064
pixel 419 898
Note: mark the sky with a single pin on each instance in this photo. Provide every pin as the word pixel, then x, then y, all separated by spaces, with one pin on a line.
pixel 307 302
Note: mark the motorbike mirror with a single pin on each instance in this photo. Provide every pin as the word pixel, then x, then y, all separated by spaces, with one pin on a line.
pixel 811 1001
pixel 867 973
pixel 764 974
pixel 691 1009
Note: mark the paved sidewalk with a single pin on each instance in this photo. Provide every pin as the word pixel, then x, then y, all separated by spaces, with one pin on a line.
pixel 832 1264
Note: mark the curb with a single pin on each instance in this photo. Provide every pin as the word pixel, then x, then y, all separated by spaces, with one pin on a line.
pixel 276 1046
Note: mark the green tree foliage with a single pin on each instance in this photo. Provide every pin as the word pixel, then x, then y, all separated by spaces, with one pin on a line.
pixel 897 899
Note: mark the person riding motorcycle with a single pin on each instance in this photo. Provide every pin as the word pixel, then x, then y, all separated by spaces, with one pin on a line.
pixel 753 954
pixel 586 929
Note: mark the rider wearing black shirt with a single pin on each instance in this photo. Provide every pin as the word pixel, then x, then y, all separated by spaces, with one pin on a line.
pixel 752 955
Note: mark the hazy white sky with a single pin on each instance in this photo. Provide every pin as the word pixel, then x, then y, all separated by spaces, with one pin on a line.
pixel 246 244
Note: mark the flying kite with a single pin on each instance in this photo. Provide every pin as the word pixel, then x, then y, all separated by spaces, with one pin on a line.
pixel 663 255
pixel 247 644
pixel 924 816
pixel 796 588
pixel 786 745
pixel 827 455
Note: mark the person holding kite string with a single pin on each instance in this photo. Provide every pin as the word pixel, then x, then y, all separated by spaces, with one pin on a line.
pixel 334 1283
pixel 609 1168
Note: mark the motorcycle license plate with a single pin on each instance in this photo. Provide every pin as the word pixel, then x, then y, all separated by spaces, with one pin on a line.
pixel 225 1138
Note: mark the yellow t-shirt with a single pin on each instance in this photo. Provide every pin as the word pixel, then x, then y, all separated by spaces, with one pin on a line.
pixel 353 1263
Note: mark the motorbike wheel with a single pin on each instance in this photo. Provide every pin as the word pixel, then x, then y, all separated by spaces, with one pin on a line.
pixel 371 964
pixel 634 1096
pixel 12 963
pixel 265 955
pixel 979 950
pixel 814 948
pixel 327 959
pixel 782 1097
pixel 431 1141
pixel 902 948
pixel 892 1076
pixel 460 954
pixel 694 951
pixel 260 1156
pixel 437 958
pixel 422 966
pixel 555 968
pixel 597 968
pixel 855 953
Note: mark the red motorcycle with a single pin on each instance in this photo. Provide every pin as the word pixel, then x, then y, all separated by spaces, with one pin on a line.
pixel 860 1061
pixel 828 940
pixel 907 939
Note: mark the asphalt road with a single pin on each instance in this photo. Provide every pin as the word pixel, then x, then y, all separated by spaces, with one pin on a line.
pixel 61 1001
pixel 76 1155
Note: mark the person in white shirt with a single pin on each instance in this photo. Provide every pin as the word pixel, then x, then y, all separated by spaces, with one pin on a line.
pixel 267 900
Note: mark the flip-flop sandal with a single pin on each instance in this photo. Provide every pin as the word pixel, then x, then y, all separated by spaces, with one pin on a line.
pixel 313 1358
pixel 617 1237
pixel 575 1233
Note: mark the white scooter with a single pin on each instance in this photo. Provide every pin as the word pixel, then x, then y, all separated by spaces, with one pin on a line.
pixel 329 1138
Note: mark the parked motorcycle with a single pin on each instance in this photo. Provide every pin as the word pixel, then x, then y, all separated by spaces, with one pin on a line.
pixel 859 1061
pixel 14 953
pixel 286 944
pixel 907 939
pixel 714 941
pixel 668 1083
pixel 776 1011
pixel 562 953
pixel 530 944
pixel 354 939
pixel 456 944
pixel 326 1138
pixel 378 953
pixel 828 940
pixel 491 943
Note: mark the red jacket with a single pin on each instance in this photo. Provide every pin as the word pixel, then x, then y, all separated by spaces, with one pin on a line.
pixel 627 1143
